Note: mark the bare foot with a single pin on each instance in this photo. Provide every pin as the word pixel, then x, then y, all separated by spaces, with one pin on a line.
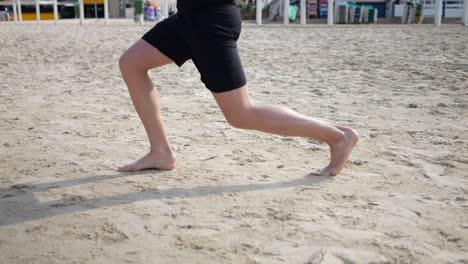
pixel 151 161
pixel 340 151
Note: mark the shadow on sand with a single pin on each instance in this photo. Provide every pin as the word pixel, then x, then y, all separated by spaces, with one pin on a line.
pixel 18 203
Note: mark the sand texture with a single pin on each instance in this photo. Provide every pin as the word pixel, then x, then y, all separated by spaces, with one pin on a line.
pixel 66 122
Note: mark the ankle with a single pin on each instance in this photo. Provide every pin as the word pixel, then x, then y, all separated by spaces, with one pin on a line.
pixel 336 139
pixel 164 151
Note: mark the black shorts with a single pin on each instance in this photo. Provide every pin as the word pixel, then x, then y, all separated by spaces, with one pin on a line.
pixel 207 36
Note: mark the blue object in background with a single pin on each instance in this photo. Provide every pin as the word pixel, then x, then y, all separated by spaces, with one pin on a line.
pixel 323 9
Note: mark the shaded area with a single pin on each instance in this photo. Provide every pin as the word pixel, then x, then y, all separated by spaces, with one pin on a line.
pixel 18 203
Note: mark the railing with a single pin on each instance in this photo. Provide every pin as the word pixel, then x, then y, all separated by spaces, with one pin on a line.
pixel 18 14
pixel 453 8
pixel 18 4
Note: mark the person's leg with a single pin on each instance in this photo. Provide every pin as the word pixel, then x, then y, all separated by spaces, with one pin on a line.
pixel 241 113
pixel 134 66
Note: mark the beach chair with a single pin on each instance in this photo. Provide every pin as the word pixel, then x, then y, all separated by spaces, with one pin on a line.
pixel 149 13
pixel 341 14
pixel 355 13
pixel 292 12
pixel 419 13
pixel 138 11
pixel 408 13
pixel 413 13
pixel 312 8
pixel 370 14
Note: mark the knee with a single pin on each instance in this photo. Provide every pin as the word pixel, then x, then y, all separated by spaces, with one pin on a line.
pixel 129 62
pixel 243 119
pixel 125 61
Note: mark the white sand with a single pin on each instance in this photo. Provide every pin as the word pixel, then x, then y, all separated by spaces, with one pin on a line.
pixel 66 121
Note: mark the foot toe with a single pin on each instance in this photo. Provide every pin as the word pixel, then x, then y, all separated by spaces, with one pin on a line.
pixel 126 168
pixel 326 171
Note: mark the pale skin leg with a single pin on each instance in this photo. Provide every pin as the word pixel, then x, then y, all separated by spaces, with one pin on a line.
pixel 236 107
pixel 134 66
pixel 241 113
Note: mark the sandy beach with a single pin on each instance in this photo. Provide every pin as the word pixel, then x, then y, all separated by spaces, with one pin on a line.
pixel 67 122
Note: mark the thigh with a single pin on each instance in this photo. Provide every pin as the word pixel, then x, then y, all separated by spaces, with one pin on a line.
pixel 213 43
pixel 168 37
pixel 145 56
pixel 219 65
pixel 233 103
